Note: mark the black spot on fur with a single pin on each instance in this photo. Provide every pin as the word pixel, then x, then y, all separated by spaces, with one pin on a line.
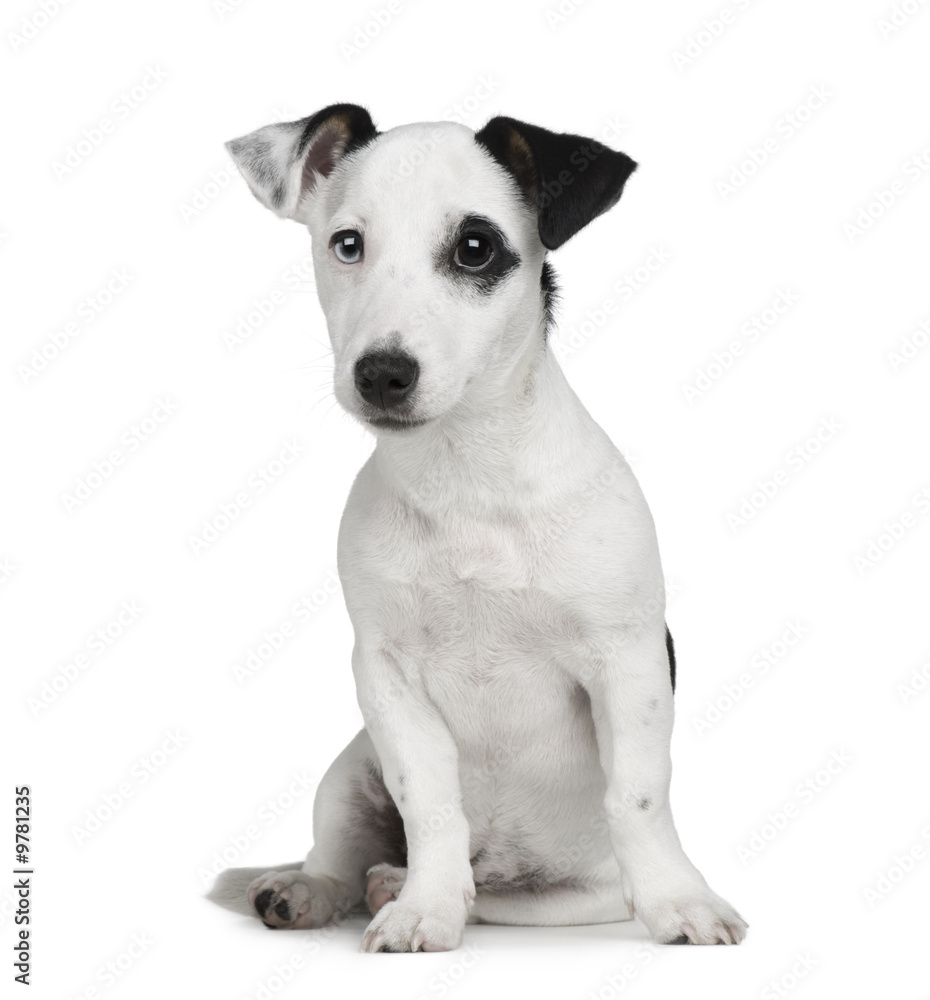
pixel 263 901
pixel 550 294
pixel 670 646
pixel 681 939
pixel 503 263
pixel 644 804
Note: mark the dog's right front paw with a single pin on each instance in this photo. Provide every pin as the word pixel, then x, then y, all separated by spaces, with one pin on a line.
pixel 290 900
pixel 414 920
pixel 401 926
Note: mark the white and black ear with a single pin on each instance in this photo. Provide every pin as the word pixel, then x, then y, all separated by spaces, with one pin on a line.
pixel 284 162
pixel 568 178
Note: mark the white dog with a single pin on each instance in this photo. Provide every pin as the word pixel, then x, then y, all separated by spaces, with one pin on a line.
pixel 499 562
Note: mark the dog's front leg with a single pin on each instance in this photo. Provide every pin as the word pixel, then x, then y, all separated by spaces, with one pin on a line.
pixel 631 703
pixel 419 763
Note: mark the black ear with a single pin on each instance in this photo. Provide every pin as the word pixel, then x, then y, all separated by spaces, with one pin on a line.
pixel 570 179
pixel 284 162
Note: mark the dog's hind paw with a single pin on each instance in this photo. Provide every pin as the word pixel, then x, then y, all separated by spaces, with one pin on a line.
pixel 290 900
pixel 384 885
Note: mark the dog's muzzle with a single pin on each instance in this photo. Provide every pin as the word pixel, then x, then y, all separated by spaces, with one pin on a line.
pixel 386 380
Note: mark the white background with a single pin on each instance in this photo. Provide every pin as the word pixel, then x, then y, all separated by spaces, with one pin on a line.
pixel 155 200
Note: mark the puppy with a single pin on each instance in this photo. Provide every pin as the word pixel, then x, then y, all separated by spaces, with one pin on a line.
pixel 499 562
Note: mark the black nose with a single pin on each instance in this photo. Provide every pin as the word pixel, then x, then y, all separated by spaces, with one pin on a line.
pixel 385 380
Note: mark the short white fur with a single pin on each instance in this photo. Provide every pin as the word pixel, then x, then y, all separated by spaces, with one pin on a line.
pixel 501 570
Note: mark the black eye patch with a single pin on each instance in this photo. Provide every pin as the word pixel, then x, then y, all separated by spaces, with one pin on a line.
pixel 477 255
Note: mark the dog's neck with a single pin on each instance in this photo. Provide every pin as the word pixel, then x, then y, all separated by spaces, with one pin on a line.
pixel 519 441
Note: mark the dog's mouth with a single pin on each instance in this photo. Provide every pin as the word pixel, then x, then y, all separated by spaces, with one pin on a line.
pixel 394 422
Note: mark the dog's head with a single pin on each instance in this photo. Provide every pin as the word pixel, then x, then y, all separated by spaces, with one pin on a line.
pixel 429 245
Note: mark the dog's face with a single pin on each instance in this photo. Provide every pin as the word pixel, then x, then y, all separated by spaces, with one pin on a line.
pixel 421 244
pixel 428 244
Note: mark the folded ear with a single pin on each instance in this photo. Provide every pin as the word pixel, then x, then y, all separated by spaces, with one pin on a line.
pixel 568 178
pixel 283 163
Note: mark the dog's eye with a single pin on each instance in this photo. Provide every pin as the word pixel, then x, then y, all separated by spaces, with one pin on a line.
pixel 473 251
pixel 347 245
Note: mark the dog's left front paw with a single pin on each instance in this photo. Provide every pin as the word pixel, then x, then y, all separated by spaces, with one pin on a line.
pixel 695 918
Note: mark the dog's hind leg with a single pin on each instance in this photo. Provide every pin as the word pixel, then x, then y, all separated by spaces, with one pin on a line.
pixel 355 826
pixel 555 906
pixel 558 906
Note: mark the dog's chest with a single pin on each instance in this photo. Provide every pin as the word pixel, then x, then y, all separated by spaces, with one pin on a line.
pixel 489 624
